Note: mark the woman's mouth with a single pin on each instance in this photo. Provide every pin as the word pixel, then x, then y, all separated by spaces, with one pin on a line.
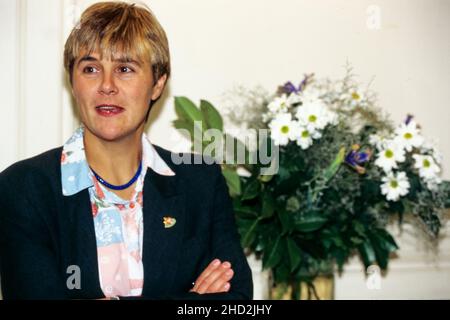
pixel 108 110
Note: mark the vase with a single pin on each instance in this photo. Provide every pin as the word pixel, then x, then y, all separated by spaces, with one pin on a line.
pixel 321 288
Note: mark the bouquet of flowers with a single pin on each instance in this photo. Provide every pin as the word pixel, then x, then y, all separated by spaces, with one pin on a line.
pixel 342 171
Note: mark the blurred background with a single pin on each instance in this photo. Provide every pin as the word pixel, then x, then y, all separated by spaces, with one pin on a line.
pixel 402 47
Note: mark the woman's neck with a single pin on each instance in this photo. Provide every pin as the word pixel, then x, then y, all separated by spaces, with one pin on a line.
pixel 115 161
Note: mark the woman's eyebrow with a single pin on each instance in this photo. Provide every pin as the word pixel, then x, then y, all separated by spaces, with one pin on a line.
pixel 86 58
pixel 127 60
pixel 120 60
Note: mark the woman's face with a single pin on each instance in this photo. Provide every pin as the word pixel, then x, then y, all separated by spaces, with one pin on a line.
pixel 113 96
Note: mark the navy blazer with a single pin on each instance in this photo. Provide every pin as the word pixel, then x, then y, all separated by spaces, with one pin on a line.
pixel 43 233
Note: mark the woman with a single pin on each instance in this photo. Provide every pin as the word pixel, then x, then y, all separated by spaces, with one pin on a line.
pixel 108 215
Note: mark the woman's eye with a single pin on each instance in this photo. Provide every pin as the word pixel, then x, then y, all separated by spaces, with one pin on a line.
pixel 125 69
pixel 89 69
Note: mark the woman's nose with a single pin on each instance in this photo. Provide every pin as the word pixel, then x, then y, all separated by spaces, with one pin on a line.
pixel 108 86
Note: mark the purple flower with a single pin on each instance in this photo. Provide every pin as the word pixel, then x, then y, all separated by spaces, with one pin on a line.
pixel 408 119
pixel 289 88
pixel 303 83
pixel 356 158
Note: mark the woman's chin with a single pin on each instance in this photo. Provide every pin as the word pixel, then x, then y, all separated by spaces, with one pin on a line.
pixel 111 133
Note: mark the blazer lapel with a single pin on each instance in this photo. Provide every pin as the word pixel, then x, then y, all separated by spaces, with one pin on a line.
pixel 162 199
pixel 81 241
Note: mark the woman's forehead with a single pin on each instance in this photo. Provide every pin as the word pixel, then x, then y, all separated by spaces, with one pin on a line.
pixel 115 56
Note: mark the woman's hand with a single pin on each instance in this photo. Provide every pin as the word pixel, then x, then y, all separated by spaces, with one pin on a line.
pixel 215 278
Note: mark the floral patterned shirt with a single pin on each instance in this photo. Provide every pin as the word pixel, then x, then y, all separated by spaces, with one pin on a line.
pixel 118 222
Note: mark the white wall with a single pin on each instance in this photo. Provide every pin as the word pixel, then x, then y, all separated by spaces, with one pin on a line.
pixel 216 44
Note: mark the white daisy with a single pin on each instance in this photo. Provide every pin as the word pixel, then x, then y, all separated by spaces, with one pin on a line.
pixel 305 137
pixel 378 140
pixel 433 183
pixel 437 155
pixel 313 115
pixel 392 154
pixel 430 147
pixel 356 98
pixel 408 135
pixel 310 95
pixel 353 98
pixel 283 129
pixel 294 98
pixel 395 186
pixel 279 104
pixel 428 169
pixel 266 117
pixel 332 117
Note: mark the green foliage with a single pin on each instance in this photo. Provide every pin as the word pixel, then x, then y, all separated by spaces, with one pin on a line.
pixel 318 210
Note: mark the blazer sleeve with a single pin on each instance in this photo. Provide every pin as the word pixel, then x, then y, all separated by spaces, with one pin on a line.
pixel 226 245
pixel 28 263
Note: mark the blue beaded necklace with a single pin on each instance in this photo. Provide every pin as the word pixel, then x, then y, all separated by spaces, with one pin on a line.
pixel 120 187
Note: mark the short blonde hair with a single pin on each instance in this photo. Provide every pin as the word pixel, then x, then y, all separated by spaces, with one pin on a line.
pixel 113 28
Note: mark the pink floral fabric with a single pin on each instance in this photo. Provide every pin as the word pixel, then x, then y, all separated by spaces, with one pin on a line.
pixel 118 222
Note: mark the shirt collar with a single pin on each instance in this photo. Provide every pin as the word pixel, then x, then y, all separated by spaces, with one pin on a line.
pixel 76 174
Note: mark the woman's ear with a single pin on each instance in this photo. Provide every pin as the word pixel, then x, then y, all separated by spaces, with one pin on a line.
pixel 159 86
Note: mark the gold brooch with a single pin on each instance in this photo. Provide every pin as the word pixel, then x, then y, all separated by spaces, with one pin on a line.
pixel 169 222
